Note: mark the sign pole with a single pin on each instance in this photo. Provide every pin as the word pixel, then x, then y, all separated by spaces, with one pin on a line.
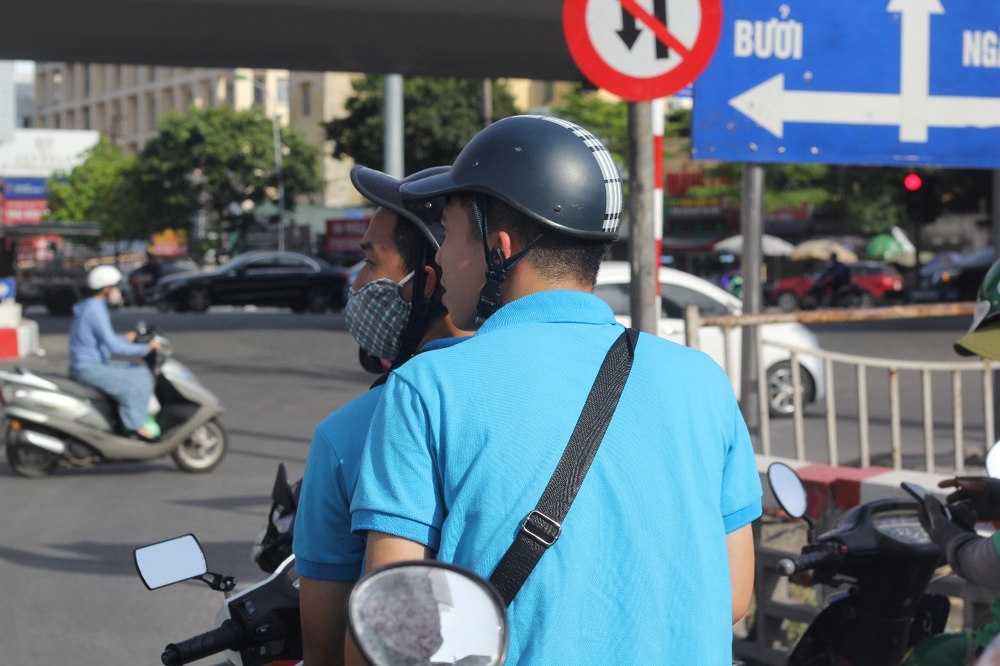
pixel 658 107
pixel 645 313
pixel 752 222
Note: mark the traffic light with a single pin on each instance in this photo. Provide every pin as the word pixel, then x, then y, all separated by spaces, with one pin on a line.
pixel 920 197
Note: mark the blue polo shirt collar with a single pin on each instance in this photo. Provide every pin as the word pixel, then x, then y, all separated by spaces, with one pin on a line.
pixel 553 306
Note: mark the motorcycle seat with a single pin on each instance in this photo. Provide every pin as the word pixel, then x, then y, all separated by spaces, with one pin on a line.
pixel 77 389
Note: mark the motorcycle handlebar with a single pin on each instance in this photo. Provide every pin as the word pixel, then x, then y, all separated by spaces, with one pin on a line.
pixel 229 636
pixel 793 565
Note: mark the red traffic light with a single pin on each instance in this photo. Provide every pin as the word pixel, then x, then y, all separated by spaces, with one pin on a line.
pixel 912 182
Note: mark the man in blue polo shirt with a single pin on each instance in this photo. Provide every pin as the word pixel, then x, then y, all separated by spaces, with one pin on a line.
pixel 393 310
pixel 654 560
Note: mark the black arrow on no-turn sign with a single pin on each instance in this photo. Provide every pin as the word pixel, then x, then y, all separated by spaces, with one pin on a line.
pixel 630 30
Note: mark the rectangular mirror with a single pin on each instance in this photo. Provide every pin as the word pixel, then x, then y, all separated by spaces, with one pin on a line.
pixel 169 562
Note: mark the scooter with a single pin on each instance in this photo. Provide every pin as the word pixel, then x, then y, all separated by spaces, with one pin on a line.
pixel 879 550
pixel 51 420
pixel 407 613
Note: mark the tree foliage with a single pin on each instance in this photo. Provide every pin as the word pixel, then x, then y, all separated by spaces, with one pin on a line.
pixel 99 190
pixel 604 118
pixel 440 116
pixel 215 157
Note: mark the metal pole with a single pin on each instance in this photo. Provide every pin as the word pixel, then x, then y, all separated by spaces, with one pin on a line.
pixel 752 219
pixel 487 102
pixel 645 313
pixel 281 182
pixel 393 156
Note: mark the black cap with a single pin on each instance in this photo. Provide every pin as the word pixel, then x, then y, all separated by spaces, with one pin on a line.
pixel 383 190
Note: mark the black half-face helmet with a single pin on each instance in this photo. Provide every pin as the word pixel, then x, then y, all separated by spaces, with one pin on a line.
pixel 550 169
pixel 383 190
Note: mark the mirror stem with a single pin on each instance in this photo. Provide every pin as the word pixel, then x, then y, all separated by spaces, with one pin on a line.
pixel 811 534
pixel 218 582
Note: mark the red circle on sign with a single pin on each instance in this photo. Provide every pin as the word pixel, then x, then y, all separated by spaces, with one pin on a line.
pixel 638 89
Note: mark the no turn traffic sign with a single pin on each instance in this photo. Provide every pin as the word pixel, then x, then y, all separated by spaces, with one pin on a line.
pixel 642 49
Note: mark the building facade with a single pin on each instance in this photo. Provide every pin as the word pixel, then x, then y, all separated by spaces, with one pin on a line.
pixel 126 102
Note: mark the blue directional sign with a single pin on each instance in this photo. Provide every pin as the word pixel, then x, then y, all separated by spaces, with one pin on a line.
pixel 875 82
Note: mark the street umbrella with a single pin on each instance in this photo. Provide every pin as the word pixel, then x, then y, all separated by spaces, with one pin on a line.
pixel 820 249
pixel 885 247
pixel 771 246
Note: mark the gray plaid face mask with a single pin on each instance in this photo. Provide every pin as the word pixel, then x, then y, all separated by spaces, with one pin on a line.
pixel 376 315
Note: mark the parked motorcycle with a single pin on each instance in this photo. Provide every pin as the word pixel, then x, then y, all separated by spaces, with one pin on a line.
pixel 51 420
pixel 881 551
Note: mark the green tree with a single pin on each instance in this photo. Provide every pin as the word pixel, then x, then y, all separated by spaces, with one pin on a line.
pixel 101 189
pixel 214 158
pixel 440 116
pixel 604 118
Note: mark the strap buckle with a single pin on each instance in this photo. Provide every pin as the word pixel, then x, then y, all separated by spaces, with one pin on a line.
pixel 544 530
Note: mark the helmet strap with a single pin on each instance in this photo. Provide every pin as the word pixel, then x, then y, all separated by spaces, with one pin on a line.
pixel 497 265
pixel 416 325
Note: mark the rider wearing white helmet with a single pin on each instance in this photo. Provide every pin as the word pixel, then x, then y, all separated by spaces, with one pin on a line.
pixel 92 341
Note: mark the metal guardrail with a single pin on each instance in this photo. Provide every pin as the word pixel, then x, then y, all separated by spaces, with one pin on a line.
pixel 694 323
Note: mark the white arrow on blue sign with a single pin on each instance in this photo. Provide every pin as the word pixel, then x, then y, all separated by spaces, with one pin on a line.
pixel 898 82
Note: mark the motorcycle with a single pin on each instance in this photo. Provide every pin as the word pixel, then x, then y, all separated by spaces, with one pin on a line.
pixel 849 295
pixel 887 560
pixel 51 420
pixel 462 622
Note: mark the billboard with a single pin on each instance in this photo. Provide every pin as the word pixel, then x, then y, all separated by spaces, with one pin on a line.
pixel 25 188
pixel 23 211
pixel 343 237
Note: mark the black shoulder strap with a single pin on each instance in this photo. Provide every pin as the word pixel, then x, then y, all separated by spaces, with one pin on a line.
pixel 542 526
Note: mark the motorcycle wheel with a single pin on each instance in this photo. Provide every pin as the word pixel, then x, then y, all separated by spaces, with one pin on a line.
pixel 30 462
pixel 203 450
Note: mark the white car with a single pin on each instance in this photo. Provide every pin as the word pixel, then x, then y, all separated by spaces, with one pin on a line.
pixel 679 290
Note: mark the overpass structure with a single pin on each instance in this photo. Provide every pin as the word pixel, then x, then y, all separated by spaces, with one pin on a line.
pixel 468 38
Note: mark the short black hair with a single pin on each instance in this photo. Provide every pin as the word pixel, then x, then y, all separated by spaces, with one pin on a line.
pixel 555 255
pixel 406 237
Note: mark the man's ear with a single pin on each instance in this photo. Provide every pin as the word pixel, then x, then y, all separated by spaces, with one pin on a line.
pixel 430 281
pixel 507 244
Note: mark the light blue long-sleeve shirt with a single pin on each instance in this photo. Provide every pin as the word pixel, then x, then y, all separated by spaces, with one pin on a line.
pixel 92 340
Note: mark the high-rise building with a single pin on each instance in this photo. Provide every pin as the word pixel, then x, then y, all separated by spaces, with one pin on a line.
pixel 126 102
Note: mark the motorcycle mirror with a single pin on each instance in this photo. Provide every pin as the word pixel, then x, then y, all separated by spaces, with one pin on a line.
pixel 993 461
pixel 428 613
pixel 788 489
pixel 171 561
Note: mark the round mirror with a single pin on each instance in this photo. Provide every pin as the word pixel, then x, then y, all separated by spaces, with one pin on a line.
pixel 412 614
pixel 788 489
pixel 993 461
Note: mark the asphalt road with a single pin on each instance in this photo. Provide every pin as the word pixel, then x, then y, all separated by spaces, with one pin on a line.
pixel 69 589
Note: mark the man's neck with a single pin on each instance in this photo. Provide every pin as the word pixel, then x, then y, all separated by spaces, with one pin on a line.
pixel 441 328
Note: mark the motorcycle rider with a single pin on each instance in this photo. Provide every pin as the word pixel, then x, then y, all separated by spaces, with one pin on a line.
pixel 92 341
pixel 654 561
pixel 973 557
pixel 394 310
pixel 834 278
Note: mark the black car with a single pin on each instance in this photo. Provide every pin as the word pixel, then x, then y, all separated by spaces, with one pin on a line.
pixel 144 278
pixel 283 279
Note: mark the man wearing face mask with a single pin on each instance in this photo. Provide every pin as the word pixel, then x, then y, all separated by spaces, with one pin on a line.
pixel 92 341
pixel 393 311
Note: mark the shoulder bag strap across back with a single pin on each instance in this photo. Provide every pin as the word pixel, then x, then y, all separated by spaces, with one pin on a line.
pixel 543 525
